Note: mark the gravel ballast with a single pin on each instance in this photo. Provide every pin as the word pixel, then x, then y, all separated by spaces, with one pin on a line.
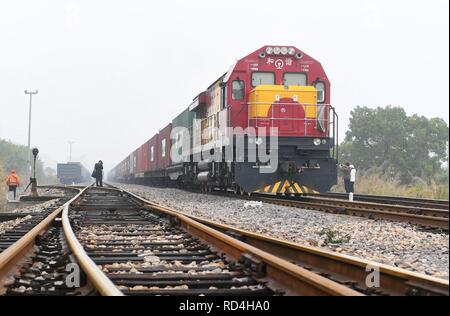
pixel 396 244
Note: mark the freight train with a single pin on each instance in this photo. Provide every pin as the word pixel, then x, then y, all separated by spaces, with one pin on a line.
pixel 72 172
pixel 266 125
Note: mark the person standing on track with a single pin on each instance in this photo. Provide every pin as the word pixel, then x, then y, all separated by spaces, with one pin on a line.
pixel 98 173
pixel 12 181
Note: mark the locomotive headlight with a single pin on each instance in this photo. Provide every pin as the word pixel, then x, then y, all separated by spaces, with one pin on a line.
pixel 324 141
pixel 291 51
pixel 317 141
pixel 284 50
pixel 269 50
pixel 258 141
pixel 276 50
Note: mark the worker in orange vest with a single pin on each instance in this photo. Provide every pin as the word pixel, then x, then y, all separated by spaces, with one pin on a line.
pixel 13 181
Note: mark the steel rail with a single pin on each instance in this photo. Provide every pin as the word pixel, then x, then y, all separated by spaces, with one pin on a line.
pixel 434 218
pixel 393 280
pixel 95 276
pixel 348 269
pixel 13 254
pixel 398 200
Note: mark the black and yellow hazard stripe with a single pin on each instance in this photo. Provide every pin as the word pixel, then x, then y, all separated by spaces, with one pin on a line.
pixel 286 186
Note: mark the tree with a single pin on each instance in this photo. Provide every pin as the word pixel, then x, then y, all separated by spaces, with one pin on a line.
pixel 402 145
pixel 15 157
pixel 2 187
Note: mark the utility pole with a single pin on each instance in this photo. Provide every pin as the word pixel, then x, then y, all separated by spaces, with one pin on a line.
pixel 30 92
pixel 70 150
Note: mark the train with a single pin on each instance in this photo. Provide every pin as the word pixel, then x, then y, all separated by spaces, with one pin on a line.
pixel 72 172
pixel 266 125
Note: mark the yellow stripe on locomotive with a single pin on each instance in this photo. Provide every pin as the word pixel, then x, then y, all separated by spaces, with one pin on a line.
pixel 262 97
pixel 286 187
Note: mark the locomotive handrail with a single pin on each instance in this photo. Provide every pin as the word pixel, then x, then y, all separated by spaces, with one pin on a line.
pixel 319 121
pixel 286 103
pixel 336 134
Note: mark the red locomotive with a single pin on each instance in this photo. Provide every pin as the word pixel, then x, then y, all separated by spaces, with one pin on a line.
pixel 275 102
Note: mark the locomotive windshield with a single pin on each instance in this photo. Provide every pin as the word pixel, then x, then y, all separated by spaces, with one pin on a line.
pixel 259 78
pixel 294 79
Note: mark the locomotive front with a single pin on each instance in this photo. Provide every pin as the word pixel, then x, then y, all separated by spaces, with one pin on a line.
pixel 283 96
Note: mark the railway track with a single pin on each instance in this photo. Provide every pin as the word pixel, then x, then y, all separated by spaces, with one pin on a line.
pixel 346 270
pixel 396 200
pixel 429 219
pixel 126 246
pixel 30 219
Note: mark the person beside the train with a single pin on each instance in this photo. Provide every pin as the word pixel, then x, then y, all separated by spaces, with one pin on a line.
pixel 98 173
pixel 12 181
pixel 346 170
pixel 352 179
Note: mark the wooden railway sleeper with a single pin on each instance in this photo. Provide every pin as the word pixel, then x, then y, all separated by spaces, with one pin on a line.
pixel 417 289
pixel 255 265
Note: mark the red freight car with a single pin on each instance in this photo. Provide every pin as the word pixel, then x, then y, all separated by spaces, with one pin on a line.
pixel 164 145
pixel 142 160
pixel 145 156
pixel 139 160
pixel 153 153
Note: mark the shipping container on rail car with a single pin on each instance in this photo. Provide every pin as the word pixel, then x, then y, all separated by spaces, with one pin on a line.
pixel 133 162
pixel 122 168
pixel 125 169
pixel 127 172
pixel 164 145
pixel 153 153
pixel 145 157
pixel 118 172
pixel 142 159
pixel 185 120
pixel 139 160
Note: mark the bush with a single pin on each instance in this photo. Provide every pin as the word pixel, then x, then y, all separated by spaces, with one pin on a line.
pixel 378 183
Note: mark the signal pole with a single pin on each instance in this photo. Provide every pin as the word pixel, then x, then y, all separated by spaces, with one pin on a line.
pixel 30 92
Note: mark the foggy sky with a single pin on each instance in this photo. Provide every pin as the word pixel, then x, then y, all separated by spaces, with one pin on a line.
pixel 110 74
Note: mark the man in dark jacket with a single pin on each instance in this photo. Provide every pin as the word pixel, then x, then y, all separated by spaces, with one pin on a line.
pixel 346 169
pixel 98 172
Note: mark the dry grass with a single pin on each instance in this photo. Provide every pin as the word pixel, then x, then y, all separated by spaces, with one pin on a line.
pixel 373 183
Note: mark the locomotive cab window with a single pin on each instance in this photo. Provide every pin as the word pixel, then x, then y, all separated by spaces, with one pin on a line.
pixel 320 87
pixel 294 79
pixel 259 78
pixel 238 91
